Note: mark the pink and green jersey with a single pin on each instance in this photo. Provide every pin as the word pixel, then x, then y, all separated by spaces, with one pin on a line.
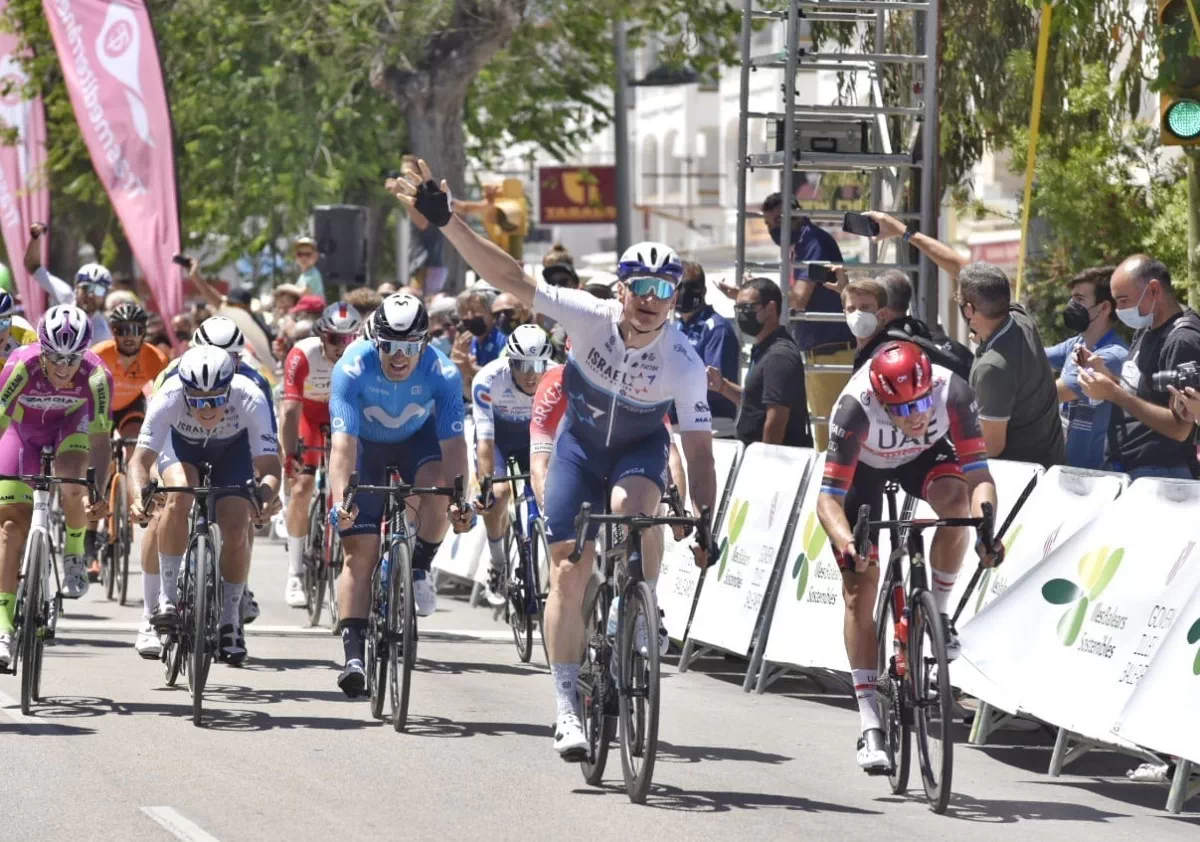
pixel 30 401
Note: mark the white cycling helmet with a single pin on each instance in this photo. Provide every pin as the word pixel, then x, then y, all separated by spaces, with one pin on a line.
pixel 206 368
pixel 93 273
pixel 339 318
pixel 650 258
pixel 220 332
pixel 65 329
pixel 401 317
pixel 529 342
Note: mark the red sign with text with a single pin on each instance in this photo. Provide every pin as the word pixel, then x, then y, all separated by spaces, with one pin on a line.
pixel 577 195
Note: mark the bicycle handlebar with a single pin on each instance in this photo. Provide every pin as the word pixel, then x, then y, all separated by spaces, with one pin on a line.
pixel 153 488
pixel 984 526
pixel 456 492
pixel 485 484
pixel 702 524
pixel 46 480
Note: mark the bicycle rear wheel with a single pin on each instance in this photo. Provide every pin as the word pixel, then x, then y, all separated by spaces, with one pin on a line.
pixel 377 646
pixel 595 682
pixel 539 549
pixel 32 622
pixel 124 541
pixel 891 690
pixel 638 698
pixel 205 618
pixel 933 703
pixel 314 561
pixel 518 576
pixel 402 626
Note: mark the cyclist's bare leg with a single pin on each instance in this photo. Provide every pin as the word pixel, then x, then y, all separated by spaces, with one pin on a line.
pixel 858 592
pixel 564 603
pixel 361 554
pixel 432 510
pixel 233 516
pixel 172 526
pixel 496 518
pixel 74 497
pixel 299 496
pixel 949 498
pixel 636 495
pixel 14 530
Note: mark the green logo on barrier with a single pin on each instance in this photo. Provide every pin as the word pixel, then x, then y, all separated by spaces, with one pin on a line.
pixel 1009 540
pixel 737 519
pixel 1096 570
pixel 1193 637
pixel 812 541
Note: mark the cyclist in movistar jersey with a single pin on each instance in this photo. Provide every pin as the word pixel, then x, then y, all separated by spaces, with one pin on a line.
pixel 55 393
pixel 627 364
pixel 395 401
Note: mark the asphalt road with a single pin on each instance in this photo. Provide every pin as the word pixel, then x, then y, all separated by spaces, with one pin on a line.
pixel 112 753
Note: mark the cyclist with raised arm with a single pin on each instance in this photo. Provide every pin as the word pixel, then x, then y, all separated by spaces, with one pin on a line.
pixel 54 393
pixel 395 401
pixel 626 365
pixel 501 405
pixel 14 330
pixel 307 372
pixel 207 414
pixel 93 283
pixel 900 419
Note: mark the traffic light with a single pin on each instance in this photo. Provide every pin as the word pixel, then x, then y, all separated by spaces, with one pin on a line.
pixel 506 216
pixel 1178 73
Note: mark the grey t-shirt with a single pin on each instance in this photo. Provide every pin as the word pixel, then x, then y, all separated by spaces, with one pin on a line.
pixel 1013 382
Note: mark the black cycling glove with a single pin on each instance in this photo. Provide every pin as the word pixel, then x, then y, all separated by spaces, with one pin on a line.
pixel 434 204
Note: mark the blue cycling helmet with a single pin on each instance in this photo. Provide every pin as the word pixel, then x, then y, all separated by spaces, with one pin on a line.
pixel 650 259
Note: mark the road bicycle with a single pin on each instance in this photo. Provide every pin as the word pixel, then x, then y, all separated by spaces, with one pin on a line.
pixel 391 646
pixel 189 647
pixel 634 682
pixel 322 546
pixel 913 678
pixel 38 604
pixel 116 531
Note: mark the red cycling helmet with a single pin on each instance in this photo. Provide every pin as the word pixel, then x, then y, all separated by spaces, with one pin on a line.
pixel 901 373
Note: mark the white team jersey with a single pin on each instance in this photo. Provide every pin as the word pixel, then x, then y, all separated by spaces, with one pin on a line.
pixel 247 410
pixel 64 293
pixel 500 410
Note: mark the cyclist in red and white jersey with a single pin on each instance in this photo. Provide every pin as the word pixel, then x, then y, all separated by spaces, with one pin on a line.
pixel 900 418
pixel 307 372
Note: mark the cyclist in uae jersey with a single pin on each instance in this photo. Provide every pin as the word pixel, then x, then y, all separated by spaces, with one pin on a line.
pixel 899 418
pixel 626 365
pixel 394 402
pixel 307 372
pixel 501 404
pixel 58 394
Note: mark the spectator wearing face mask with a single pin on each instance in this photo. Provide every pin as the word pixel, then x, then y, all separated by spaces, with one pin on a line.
pixel 479 340
pixel 865 305
pixel 443 316
pixel 715 340
pixel 1091 315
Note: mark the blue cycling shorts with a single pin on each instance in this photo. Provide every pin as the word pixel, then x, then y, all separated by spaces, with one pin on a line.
pixel 374 458
pixel 577 475
pixel 230 459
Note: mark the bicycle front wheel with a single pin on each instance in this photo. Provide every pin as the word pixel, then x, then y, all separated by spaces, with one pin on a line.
pixel 539 548
pixel 639 689
pixel 595 681
pixel 377 646
pixel 892 699
pixel 124 540
pixel 402 626
pixel 331 572
pixel 205 617
pixel 32 623
pixel 519 577
pixel 933 703
pixel 314 561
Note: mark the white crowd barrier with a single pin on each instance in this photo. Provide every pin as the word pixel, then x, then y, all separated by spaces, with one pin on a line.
pixel 678 576
pixel 459 555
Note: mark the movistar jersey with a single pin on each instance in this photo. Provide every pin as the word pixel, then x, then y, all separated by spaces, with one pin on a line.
pixel 363 402
pixel 617 396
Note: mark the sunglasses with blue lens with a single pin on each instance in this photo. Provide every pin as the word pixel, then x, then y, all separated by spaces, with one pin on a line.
pixel 658 287
pixel 404 347
pixel 206 401
pixel 903 410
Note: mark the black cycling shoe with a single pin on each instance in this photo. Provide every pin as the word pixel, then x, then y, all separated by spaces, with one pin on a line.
pixel 166 618
pixel 233 646
pixel 353 679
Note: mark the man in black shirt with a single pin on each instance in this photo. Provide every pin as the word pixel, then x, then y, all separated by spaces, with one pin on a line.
pixel 774 407
pixel 1147 435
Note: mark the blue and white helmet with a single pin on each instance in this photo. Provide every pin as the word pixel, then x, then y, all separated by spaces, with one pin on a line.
pixel 206 368
pixel 649 258
pixel 93 273
pixel 529 342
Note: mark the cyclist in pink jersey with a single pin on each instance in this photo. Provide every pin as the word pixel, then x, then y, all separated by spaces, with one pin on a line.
pixel 53 393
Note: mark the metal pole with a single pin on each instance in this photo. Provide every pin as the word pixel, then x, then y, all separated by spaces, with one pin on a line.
pixel 403 243
pixel 877 202
pixel 743 142
pixel 1193 185
pixel 789 148
pixel 621 136
pixel 927 288
pixel 1035 120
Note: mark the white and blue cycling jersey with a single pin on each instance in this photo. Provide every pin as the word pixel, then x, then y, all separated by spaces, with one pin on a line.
pixel 617 396
pixel 363 402
pixel 500 409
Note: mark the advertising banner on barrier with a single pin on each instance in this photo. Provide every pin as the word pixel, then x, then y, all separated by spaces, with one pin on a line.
pixel 1072 639
pixel 24 181
pixel 1161 713
pixel 678 576
pixel 751 536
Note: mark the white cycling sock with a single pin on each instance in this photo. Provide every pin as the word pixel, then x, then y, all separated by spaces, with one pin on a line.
pixel 295 550
pixel 151 586
pixel 566 677
pixel 864 694
pixel 230 613
pixel 168 568
pixel 943 586
pixel 496 548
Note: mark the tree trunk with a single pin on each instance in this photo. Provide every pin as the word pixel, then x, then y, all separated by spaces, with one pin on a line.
pixel 436 134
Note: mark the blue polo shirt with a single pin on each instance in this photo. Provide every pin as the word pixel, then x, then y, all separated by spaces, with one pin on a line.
pixel 813 244
pixel 715 340
pixel 488 347
pixel 1086 423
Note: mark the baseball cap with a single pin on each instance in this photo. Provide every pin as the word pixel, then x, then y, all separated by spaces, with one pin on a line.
pixel 314 304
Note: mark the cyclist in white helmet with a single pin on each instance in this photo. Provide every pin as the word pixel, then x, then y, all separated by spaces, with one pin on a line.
pixel 502 405
pixel 93 283
pixel 626 365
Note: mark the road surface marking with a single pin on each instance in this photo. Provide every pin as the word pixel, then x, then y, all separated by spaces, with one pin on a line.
pixel 178 825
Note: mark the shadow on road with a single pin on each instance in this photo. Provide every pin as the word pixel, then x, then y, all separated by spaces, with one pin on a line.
pixel 997 811
pixel 1152 796
pixel 466 668
pixel 664 797
pixel 255 664
pixel 61 642
pixel 43 729
pixel 439 726
pixel 670 753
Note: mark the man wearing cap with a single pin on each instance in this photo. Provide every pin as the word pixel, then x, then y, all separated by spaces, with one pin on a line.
pixel 305 249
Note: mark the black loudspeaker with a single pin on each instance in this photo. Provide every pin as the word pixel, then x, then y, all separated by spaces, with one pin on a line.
pixel 341 235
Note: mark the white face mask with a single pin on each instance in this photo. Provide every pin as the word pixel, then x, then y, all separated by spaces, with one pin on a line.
pixel 862 325
pixel 1132 318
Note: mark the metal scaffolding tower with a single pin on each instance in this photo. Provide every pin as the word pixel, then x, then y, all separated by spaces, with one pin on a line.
pixel 877 155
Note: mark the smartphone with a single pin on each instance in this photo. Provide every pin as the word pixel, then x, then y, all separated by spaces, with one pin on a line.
pixel 180 260
pixel 863 226
pixel 820 273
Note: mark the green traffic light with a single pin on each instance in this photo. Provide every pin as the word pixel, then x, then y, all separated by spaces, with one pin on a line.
pixel 1183 119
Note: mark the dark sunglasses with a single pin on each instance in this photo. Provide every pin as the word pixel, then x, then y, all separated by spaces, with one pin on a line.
pixel 339 338
pixel 500 314
pixel 61 359
pixel 306 254
pixel 129 329
pixel 903 410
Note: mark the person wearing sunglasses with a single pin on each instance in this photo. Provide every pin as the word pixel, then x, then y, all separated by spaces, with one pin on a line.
pixel 206 414
pixel 305 250
pixel 93 283
pixel 394 401
pixel 628 362
pixel 307 372
pixel 14 330
pixel 900 418
pixel 501 406
pixel 55 393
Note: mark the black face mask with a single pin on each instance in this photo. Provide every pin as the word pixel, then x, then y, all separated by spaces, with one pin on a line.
pixel 475 325
pixel 774 230
pixel 691 297
pixel 1076 317
pixel 748 321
